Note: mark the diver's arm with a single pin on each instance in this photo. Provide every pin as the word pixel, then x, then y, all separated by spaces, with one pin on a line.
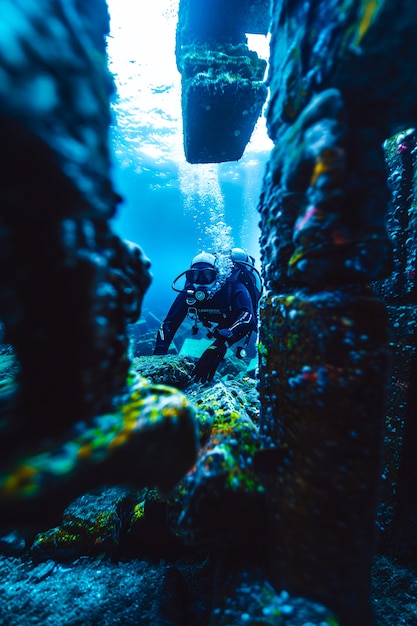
pixel 245 320
pixel 170 325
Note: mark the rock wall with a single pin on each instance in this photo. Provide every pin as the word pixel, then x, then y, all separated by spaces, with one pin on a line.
pixel 57 196
pixel 397 515
pixel 324 352
pixel 69 286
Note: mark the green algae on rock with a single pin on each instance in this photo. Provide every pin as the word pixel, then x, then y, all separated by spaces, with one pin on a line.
pixel 222 495
pixel 173 370
pixel 90 526
pixel 150 439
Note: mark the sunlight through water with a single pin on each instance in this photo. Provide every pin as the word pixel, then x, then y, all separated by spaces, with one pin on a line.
pixel 147 140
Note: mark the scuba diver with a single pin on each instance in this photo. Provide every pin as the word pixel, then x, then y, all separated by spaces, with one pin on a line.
pixel 227 308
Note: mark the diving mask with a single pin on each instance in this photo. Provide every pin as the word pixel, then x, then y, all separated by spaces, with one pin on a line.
pixel 201 280
pixel 200 277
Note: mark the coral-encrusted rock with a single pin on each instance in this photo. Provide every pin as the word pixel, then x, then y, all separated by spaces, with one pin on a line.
pixel 149 440
pixel 91 525
pixel 327 353
pixel 337 239
pixel 356 52
pixel 167 370
pixel 222 497
pixel 323 367
pixel 246 596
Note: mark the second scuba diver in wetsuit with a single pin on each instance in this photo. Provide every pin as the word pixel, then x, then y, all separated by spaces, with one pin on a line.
pixel 227 305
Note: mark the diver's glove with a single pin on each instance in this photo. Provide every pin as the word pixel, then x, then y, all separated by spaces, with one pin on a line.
pixel 209 361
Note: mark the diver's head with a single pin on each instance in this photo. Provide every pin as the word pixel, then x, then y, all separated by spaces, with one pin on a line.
pixel 201 280
pixel 204 257
pixel 202 275
pixel 239 254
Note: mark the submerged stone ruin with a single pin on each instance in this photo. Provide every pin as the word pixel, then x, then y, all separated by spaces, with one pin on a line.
pixel 223 89
pixel 246 501
pixel 324 333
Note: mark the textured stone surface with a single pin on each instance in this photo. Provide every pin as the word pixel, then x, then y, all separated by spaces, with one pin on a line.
pixel 221 498
pixel 168 370
pixel 334 100
pixel 91 525
pixel 401 157
pixel 219 115
pixel 322 399
pixel 55 90
pixel 351 45
pixel 403 351
pixel 68 285
pixel 222 80
pixel 222 20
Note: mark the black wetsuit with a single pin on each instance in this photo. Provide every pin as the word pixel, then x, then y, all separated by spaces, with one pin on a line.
pixel 230 308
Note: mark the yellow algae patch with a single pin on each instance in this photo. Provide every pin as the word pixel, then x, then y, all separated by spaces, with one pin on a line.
pixel 84 452
pixel 329 160
pixel 120 439
pixel 144 408
pixel 21 481
pixel 369 11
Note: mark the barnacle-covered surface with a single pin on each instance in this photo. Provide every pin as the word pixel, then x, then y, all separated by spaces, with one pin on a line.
pixel 401 159
pixel 347 47
pixel 397 514
pixel 334 100
pixel 352 45
pixel 315 165
pixel 329 357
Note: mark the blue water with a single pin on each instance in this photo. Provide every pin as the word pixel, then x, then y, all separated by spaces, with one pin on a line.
pixel 172 209
pixel 171 233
